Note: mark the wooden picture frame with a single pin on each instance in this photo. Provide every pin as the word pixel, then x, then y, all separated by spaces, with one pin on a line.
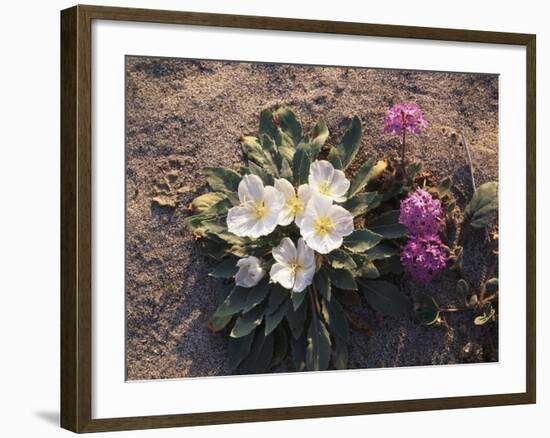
pixel 76 217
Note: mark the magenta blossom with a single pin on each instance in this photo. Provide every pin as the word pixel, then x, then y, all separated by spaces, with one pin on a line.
pixel 423 257
pixel 404 117
pixel 421 214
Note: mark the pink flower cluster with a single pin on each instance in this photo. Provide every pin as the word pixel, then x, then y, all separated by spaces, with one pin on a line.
pixel 424 255
pixel 404 117
pixel 421 213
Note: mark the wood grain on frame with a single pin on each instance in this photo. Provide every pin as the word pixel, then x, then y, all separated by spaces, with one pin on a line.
pixel 76 225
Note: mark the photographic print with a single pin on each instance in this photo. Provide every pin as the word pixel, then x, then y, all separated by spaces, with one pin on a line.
pixel 291 218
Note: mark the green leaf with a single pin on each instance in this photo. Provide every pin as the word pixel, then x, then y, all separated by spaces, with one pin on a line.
pixel 280 348
pixel 390 265
pixel 298 350
pixel 222 179
pixel 300 166
pixel 269 127
pixel 414 169
pixel 340 354
pixel 248 322
pixel 381 251
pixel 341 259
pixel 266 177
pixel 322 284
pixel 350 142
pixel 361 241
pixel 258 155
pixel 234 303
pixel 428 313
pixel 272 320
pixel 289 124
pixel 444 187
pixel 317 138
pixel 238 349
pixel 388 226
pixel 483 206
pixel 203 203
pixel 261 353
pixel 226 269
pixel 385 297
pixel 318 346
pixel 343 279
pixel 276 297
pixel 297 299
pixel 217 324
pixel 296 319
pixel 286 170
pixel 256 295
pixel 365 267
pixel 335 159
pixel 361 203
pixel 491 286
pixel 361 178
pixel 336 318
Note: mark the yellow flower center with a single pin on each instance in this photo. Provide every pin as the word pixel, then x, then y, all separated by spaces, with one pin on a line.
pixel 324 188
pixel 294 266
pixel 295 205
pixel 259 210
pixel 323 226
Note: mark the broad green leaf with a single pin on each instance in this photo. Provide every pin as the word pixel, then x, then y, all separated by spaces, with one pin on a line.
pixel 280 348
pixel 343 279
pixel 381 251
pixel 340 354
pixel 463 288
pixel 385 297
pixel 296 319
pixel 217 324
pixel 298 350
pixel 491 286
pixel 222 179
pixel 256 295
pixel 350 142
pixel 322 284
pixel 289 124
pixel 286 170
pixel 389 265
pixel 414 169
pixel 226 269
pixel 238 349
pixel 336 318
pixel 341 259
pixel 361 241
pixel 335 159
pixel 261 353
pixel 361 203
pixel 272 320
pixel 444 187
pixel 252 149
pixel 318 345
pixel 483 206
pixel 317 138
pixel 277 295
pixel 300 166
pixel 269 127
pixel 361 178
pixel 266 177
pixel 248 322
pixel 203 203
pixel 365 267
pixel 297 299
pixel 388 226
pixel 234 303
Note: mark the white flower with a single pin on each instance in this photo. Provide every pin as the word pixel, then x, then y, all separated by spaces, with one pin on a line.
pixel 258 213
pixel 250 272
pixel 327 181
pixel 294 268
pixel 295 203
pixel 324 224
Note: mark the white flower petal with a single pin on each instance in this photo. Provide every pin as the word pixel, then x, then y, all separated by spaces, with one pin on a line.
pixel 304 277
pixel 240 220
pixel 304 195
pixel 250 272
pixel 320 172
pixel 281 274
pixel 283 186
pixel 343 220
pixel 340 185
pixel 251 189
pixel 305 255
pixel 285 252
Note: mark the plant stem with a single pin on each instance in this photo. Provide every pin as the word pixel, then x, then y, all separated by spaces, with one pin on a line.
pixel 453 309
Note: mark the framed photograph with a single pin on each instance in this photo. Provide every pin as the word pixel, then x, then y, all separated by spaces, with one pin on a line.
pixel 268 219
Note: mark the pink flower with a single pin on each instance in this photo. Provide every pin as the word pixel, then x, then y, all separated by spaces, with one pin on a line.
pixel 423 257
pixel 404 117
pixel 421 213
